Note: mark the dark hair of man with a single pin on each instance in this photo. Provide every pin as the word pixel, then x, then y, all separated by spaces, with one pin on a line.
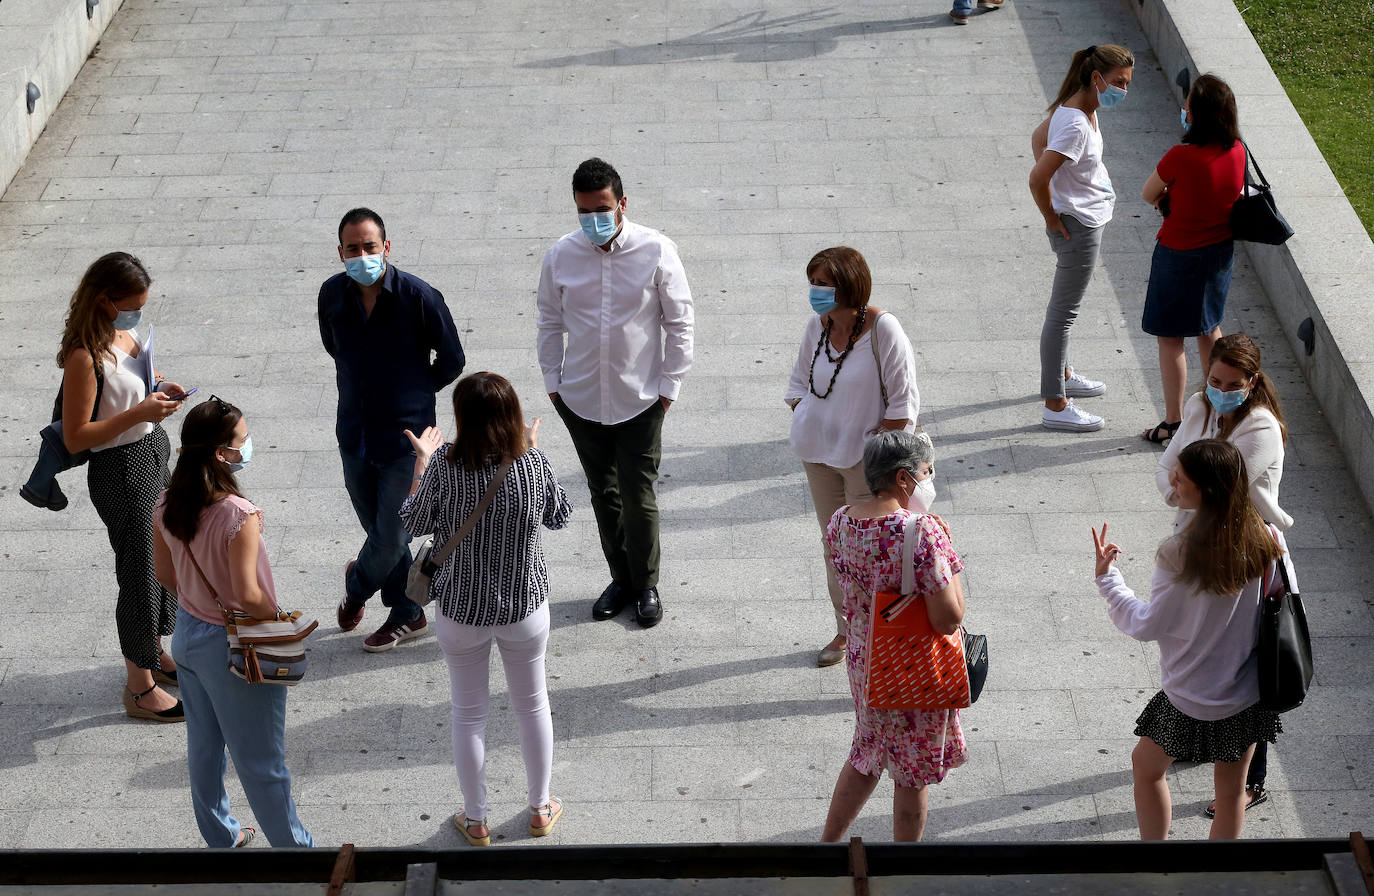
pixel 1212 106
pixel 199 475
pixel 359 215
pixel 853 282
pixel 1226 544
pixel 1239 351
pixel 489 425
pixel 595 175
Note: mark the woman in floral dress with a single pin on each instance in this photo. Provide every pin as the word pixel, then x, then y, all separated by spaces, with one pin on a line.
pixel 916 747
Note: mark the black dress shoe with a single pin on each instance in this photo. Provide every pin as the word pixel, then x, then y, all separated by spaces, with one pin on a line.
pixel 648 608
pixel 611 602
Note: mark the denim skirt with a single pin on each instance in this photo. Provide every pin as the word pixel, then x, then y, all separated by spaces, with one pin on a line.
pixel 1187 291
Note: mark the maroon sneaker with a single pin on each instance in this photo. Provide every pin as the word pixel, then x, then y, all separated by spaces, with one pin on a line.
pixel 393 633
pixel 349 616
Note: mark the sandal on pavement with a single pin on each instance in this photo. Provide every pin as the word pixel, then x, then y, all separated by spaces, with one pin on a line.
pixel 1161 433
pixel 161 675
pixel 830 656
pixel 465 826
pixel 553 809
pixel 172 714
pixel 245 837
pixel 1253 797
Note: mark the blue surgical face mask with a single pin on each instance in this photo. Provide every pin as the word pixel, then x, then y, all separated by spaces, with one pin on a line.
pixel 1183 118
pixel 127 320
pixel 365 269
pixel 823 299
pixel 1226 402
pixel 1110 97
pixel 245 455
pixel 599 227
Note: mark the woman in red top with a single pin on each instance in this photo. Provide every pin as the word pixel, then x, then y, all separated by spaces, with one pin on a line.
pixel 1194 187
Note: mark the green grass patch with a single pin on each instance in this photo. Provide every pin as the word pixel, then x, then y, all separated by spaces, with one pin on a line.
pixel 1323 53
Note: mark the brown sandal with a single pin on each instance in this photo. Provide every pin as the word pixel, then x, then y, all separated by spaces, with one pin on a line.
pixel 553 808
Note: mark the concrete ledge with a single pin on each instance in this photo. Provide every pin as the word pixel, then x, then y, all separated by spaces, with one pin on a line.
pixel 1326 271
pixel 43 42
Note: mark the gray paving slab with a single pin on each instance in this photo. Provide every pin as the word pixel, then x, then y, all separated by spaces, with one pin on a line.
pixel 220 141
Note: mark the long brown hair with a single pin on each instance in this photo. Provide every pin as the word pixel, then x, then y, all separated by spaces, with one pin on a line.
pixel 116 276
pixel 490 427
pixel 1240 351
pixel 199 475
pixel 853 281
pixel 1226 544
pixel 1103 58
pixel 1213 108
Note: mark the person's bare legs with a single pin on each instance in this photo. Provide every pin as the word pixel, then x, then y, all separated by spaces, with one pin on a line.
pixel 852 791
pixel 1173 369
pixel 1153 809
pixel 139 680
pixel 1204 348
pixel 1229 780
pixel 910 808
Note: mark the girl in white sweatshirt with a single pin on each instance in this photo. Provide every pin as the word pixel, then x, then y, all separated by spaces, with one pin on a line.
pixel 1204 612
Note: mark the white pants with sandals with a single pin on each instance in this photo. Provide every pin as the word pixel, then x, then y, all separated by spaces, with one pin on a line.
pixel 831 489
pixel 467 650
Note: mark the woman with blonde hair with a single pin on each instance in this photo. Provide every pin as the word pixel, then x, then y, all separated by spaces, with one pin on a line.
pixel 1074 194
pixel 1204 613
pixel 110 409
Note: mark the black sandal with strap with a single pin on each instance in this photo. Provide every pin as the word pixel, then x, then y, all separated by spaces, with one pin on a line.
pixel 1161 433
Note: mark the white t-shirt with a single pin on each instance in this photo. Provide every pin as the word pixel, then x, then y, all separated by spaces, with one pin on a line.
pixel 124 387
pixel 832 430
pixel 1081 187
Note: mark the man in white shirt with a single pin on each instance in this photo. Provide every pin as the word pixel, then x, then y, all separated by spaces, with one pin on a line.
pixel 615 341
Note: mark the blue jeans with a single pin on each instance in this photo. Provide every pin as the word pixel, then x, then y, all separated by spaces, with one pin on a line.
pixel 963 7
pixel 377 491
pixel 223 710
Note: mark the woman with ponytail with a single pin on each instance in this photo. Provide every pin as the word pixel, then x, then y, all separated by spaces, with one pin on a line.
pixel 210 553
pixel 1204 613
pixel 1071 188
pixel 110 409
pixel 1240 406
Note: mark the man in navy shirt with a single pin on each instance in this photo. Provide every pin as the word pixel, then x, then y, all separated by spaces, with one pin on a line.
pixel 394 346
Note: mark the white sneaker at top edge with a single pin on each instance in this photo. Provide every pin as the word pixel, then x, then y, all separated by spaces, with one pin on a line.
pixel 1071 419
pixel 1076 385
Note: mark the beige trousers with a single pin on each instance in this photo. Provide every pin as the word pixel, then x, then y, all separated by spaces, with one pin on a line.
pixel 831 489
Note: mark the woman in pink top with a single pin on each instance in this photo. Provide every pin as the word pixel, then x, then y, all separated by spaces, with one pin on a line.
pixel 209 543
pixel 1194 186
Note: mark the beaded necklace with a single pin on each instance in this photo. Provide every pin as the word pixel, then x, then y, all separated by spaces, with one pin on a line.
pixel 837 361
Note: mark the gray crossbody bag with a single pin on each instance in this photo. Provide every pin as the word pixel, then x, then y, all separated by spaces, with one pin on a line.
pixel 427 561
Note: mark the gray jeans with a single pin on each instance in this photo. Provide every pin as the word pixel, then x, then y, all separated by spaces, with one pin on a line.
pixel 1074 268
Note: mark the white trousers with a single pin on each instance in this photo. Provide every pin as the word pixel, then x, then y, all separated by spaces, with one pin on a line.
pixel 467 650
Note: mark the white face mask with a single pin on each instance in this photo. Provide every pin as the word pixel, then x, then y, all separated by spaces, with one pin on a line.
pixel 922 496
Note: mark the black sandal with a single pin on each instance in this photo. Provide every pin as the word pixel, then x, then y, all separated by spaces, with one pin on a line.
pixel 1161 433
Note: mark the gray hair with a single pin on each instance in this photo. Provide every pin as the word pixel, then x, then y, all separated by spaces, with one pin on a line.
pixel 891 450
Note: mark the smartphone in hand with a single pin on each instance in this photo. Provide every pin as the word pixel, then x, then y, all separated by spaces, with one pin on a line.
pixel 185 395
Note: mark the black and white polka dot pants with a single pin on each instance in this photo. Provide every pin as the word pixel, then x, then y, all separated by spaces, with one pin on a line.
pixel 124 483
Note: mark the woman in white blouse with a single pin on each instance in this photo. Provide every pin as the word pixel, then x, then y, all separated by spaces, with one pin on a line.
pixel 1204 612
pixel 495 586
pixel 855 375
pixel 1240 406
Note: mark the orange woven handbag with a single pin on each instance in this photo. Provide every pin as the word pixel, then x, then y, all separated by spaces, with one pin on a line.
pixel 910 665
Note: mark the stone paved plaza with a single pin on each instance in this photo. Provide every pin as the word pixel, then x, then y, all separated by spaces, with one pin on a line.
pixel 220 140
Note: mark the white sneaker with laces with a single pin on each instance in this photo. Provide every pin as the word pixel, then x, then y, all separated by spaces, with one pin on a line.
pixel 1076 385
pixel 1071 419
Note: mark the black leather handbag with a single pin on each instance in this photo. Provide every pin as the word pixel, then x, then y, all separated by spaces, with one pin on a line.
pixel 976 655
pixel 1255 217
pixel 1284 647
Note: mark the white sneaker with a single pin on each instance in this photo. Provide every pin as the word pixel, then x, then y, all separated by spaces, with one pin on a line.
pixel 1076 385
pixel 1071 419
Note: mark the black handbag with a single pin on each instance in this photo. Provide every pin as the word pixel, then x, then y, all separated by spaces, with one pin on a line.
pixel 976 655
pixel 1284 646
pixel 1255 217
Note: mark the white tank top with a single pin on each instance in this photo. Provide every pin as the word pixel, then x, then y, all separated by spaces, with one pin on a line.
pixel 124 388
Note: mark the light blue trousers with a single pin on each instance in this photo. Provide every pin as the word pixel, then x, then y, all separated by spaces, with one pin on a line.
pixel 224 711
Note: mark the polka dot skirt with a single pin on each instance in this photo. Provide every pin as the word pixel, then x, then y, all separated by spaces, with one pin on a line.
pixel 1190 740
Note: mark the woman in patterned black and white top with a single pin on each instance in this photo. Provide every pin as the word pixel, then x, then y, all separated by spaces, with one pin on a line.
pixel 494 586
